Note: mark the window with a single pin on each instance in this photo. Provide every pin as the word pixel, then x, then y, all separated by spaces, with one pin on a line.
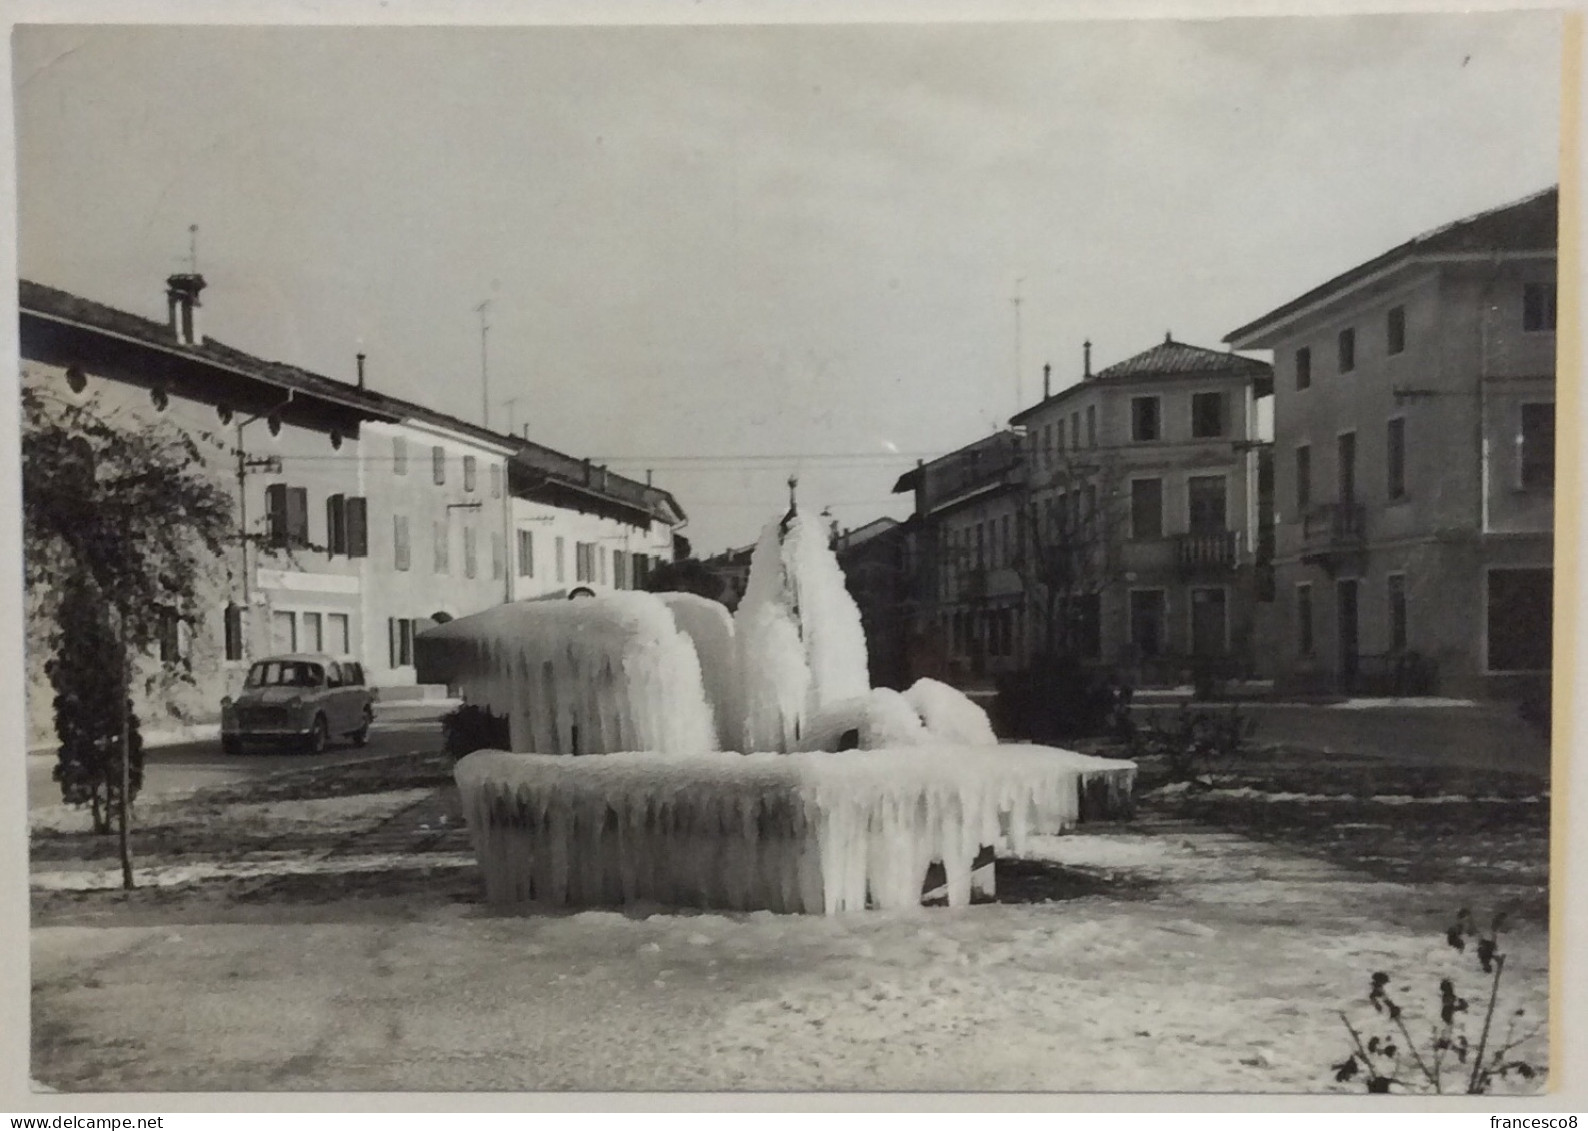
pixel 335 526
pixel 1538 307
pixel 399 541
pixel 1207 415
pixel 584 561
pixel 1057 429
pixel 561 568
pixel 233 631
pixel 1206 504
pixel 1347 350
pixel 1395 330
pixel 1397 612
pixel 469 471
pixel 400 636
pixel 347 526
pixel 438 464
pixel 620 570
pixel 1075 430
pixel 526 553
pixel 981 546
pixel 399 456
pixel 1537 443
pixel 1396 458
pixel 1147 622
pixel 471 559
pixel 1304 620
pixel 1520 619
pixel 1006 547
pixel 287 515
pixel 1303 478
pixel 1303 368
pixel 1091 426
pixel 283 632
pixel 642 570
pixel 443 555
pixel 1146 508
pixel 601 564
pixel 1144 419
pixel 313 637
pixel 338 639
pixel 496 481
pixel 1345 466
pixel 498 553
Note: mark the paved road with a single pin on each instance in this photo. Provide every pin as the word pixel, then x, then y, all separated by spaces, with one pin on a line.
pixel 193 765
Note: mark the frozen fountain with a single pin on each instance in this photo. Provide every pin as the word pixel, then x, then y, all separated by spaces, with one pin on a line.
pixel 848 797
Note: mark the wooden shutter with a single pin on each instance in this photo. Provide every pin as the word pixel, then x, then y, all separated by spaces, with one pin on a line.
pixel 298 515
pixel 335 525
pixel 276 513
pixel 356 517
pixel 392 639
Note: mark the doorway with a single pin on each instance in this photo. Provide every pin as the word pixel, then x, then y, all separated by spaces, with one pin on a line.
pixel 1346 613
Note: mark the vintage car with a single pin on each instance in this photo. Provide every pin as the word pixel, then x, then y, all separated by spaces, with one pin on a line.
pixel 305 699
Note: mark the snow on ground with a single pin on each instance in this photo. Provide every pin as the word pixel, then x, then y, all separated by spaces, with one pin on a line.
pixel 1248 793
pixel 257 864
pixel 1418 701
pixel 1224 977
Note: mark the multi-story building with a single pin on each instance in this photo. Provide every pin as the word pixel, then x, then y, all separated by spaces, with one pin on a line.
pixel 577 524
pixel 966 619
pixel 361 519
pixel 1141 503
pixel 1414 437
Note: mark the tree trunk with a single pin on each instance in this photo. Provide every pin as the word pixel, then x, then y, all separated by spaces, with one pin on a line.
pixel 126 759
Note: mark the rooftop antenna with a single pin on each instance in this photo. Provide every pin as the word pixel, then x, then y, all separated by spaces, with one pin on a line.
pixel 1019 283
pixel 192 249
pixel 512 414
pixel 485 375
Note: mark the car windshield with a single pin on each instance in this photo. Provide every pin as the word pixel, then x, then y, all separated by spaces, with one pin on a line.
pixel 285 673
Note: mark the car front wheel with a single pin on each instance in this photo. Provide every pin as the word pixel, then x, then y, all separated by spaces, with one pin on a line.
pixel 319 736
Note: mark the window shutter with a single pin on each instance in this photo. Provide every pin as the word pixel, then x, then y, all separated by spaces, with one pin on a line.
pixel 234 632
pixel 276 513
pixel 392 639
pixel 335 526
pixel 298 515
pixel 356 520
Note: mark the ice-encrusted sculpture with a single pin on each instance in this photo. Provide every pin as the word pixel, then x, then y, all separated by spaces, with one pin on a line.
pixel 847 797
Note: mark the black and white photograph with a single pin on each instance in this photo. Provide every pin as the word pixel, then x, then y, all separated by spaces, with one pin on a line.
pixel 1003 556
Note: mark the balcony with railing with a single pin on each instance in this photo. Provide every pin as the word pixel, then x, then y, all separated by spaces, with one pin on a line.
pixel 1207 553
pixel 1331 532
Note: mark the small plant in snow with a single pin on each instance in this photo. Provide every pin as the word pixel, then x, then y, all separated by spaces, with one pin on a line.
pixel 1448 1058
pixel 1195 743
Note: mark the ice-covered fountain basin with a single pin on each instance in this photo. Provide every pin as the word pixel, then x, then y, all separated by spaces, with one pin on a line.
pixel 815 832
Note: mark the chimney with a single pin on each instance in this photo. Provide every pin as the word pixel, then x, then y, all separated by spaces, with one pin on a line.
pixel 1086 355
pixel 1047 381
pixel 360 371
pixel 182 300
pixel 647 477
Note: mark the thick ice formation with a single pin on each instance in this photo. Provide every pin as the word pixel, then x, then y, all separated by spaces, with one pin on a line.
pixel 920 782
pixel 591 676
pixel 949 713
pixel 814 832
pixel 800 643
pixel 709 626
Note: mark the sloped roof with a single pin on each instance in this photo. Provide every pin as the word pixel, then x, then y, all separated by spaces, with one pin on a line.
pixel 1169 358
pixel 1531 224
pixel 40 301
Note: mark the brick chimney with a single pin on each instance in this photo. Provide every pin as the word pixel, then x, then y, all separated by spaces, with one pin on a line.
pixel 182 298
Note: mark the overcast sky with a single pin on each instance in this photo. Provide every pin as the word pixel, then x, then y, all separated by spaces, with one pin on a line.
pixel 800 244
